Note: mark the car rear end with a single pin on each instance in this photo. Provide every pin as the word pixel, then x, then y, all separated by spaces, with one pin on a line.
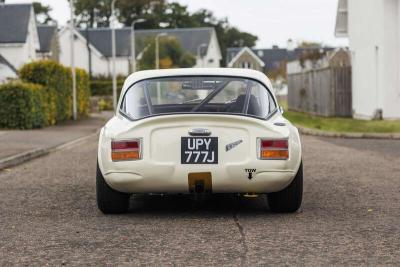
pixel 193 134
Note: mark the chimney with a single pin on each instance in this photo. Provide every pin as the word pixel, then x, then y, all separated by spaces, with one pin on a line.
pixel 290 45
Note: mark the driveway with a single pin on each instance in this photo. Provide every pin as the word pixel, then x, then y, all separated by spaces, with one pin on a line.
pixel 350 215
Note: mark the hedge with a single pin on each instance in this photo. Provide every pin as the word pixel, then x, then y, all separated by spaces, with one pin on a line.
pixel 57 81
pixel 83 92
pixel 22 106
pixel 103 87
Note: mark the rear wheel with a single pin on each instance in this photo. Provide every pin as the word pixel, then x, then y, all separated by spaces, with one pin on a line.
pixel 109 200
pixel 289 199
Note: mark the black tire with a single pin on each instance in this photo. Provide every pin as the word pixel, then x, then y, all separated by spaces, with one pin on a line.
pixel 289 199
pixel 109 201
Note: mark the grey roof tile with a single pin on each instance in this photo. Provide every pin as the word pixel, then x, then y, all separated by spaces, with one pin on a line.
pixel 271 57
pixel 14 20
pixel 46 34
pixel 189 38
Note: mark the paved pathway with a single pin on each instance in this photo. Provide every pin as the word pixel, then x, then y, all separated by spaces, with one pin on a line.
pixel 350 216
pixel 14 142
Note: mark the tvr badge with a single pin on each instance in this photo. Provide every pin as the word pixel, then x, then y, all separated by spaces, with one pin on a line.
pixel 233 145
pixel 250 173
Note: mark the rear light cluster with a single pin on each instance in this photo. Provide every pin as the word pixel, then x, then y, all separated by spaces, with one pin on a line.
pixel 126 150
pixel 273 149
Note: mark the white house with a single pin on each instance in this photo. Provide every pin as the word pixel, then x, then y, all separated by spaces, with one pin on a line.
pixel 93 47
pixel 18 34
pixel 7 71
pixel 373 29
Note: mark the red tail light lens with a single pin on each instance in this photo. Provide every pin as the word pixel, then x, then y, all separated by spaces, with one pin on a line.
pixel 273 149
pixel 126 150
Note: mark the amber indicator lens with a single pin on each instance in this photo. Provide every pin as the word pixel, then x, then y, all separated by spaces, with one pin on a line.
pixel 274 149
pixel 125 150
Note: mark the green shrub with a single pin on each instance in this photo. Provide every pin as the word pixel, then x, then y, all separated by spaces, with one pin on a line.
pixel 57 79
pixel 105 104
pixel 100 87
pixel 83 92
pixel 22 106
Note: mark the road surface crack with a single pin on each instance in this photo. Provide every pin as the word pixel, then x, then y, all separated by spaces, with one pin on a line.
pixel 243 257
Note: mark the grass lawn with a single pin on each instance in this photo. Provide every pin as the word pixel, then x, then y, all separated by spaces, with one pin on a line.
pixel 341 124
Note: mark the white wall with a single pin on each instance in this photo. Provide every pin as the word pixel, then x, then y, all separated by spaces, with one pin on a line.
pixel 32 40
pixel 100 64
pixel 6 73
pixel 80 50
pixel 374 43
pixel 16 54
pixel 22 53
pixel 390 69
pixel 365 46
pixel 213 57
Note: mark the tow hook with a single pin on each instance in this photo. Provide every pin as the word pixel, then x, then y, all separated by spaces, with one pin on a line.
pixel 199 187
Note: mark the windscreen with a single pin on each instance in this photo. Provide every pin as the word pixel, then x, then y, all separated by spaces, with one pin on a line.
pixel 214 95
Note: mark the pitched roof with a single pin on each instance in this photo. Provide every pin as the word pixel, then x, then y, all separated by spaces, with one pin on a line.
pixel 273 57
pixel 241 52
pixel 5 62
pixel 189 38
pixel 14 21
pixel 46 34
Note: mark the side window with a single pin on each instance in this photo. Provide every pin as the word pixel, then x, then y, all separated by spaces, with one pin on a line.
pixel 261 103
pixel 134 103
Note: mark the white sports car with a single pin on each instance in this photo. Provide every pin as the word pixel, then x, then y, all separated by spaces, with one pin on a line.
pixel 199 131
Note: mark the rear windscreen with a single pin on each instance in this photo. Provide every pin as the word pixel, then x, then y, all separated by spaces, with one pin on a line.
pixel 215 95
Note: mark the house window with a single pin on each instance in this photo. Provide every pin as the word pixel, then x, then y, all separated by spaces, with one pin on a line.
pixel 245 65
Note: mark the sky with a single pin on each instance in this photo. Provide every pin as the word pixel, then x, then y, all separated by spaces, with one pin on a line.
pixel 273 21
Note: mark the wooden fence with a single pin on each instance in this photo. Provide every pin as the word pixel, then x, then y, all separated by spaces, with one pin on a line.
pixel 324 92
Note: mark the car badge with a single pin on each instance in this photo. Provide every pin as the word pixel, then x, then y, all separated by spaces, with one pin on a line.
pixel 233 145
pixel 199 132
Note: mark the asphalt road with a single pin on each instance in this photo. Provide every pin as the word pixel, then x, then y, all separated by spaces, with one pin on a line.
pixel 350 215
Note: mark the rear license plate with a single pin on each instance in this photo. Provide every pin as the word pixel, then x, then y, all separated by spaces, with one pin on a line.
pixel 199 150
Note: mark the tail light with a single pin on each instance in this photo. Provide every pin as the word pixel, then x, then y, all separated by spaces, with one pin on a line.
pixel 273 149
pixel 126 150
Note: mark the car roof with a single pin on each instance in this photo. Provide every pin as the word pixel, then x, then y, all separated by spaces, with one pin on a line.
pixel 234 72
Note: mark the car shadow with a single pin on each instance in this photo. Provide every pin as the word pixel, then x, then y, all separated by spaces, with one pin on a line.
pixel 217 204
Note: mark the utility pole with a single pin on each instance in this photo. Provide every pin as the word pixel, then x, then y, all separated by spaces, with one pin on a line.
pixel 133 54
pixel 114 74
pixel 199 55
pixel 158 49
pixel 157 55
pixel 72 27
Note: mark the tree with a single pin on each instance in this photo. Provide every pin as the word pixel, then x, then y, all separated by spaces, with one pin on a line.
pixel 42 13
pixel 93 13
pixel 311 51
pixel 309 45
pixel 171 55
pixel 97 13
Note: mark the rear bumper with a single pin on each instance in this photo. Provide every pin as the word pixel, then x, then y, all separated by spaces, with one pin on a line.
pixel 160 169
pixel 168 179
